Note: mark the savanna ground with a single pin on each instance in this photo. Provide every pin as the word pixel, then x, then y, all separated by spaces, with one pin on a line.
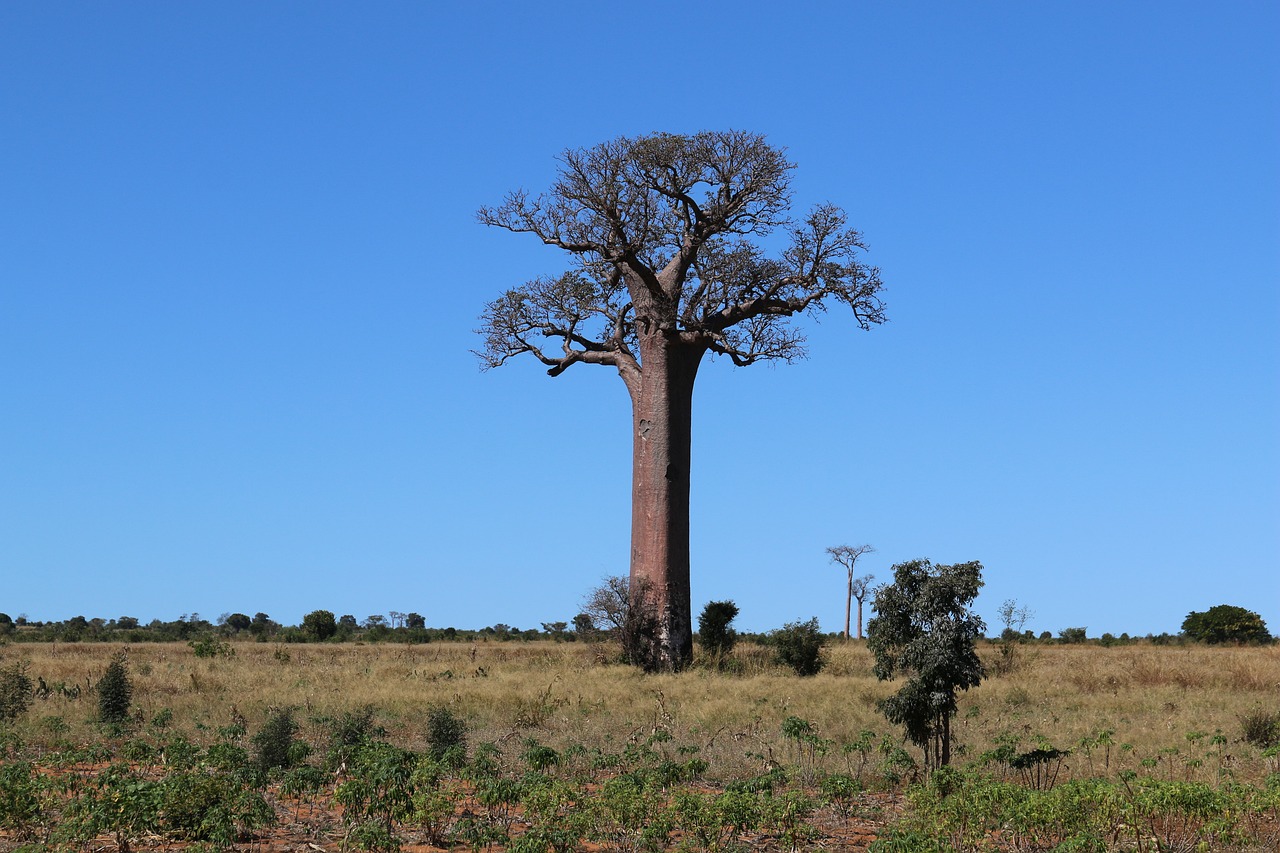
pixel 1133 747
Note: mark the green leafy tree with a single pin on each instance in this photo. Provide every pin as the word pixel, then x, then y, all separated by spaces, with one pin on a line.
pixel 1073 636
pixel 799 646
pixel 261 625
pixel 714 631
pixel 665 236
pixel 924 630
pixel 1226 623
pixel 319 625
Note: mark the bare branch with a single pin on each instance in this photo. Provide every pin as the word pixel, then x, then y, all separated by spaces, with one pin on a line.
pixel 847 556
pixel 664 223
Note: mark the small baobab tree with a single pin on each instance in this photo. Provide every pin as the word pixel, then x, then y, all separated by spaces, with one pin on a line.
pixel 663 234
pixel 847 556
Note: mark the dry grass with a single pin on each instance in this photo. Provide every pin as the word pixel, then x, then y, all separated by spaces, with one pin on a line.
pixel 1150 697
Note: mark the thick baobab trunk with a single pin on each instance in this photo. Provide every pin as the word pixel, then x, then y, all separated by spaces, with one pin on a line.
pixel 662 407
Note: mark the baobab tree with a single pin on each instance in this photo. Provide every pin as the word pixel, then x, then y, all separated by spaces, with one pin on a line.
pixel 662 233
pixel 847 556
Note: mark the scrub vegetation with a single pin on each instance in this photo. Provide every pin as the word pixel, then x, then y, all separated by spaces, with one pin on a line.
pixel 546 745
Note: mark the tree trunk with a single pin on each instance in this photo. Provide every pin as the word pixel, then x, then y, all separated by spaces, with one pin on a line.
pixel 848 603
pixel 859 621
pixel 662 419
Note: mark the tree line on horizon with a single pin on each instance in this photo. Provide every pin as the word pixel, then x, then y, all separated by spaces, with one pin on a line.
pixel 602 620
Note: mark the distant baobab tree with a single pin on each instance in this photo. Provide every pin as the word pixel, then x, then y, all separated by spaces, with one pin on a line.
pixel 661 233
pixel 847 556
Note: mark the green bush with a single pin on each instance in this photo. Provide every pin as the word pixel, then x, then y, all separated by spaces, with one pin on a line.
pixel 15 691
pixel 799 646
pixel 23 798
pixel 348 732
pixel 714 633
pixel 275 742
pixel 201 805
pixel 115 692
pixel 211 647
pixel 446 736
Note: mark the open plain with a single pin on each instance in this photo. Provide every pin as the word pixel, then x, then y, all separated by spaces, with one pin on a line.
pixel 548 729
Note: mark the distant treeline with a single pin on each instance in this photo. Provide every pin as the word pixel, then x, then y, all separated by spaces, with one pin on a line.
pixel 401 628
pixel 322 626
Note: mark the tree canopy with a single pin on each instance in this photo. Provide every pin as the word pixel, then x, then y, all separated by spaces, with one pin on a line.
pixel 924 630
pixel 660 230
pixel 1226 623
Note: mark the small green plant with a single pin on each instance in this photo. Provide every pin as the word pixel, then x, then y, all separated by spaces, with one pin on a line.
pixel 347 732
pixel 808 745
pixel 377 794
pixel 540 757
pixel 117 802
pixel 799 646
pixel 115 692
pixel 211 805
pixel 24 799
pixel 840 791
pixel 16 692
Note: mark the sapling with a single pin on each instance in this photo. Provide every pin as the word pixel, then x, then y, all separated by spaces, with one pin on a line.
pixel 115 692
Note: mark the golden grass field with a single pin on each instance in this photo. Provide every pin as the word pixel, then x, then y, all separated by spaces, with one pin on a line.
pixel 1150 697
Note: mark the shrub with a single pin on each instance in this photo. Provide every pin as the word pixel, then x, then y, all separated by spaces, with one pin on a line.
pixel 799 646
pixel 1261 728
pixel 24 797
pixel 348 732
pixel 201 805
pixel 15 691
pixel 211 647
pixel 115 692
pixel 714 633
pixel 446 736
pixel 275 742
pixel 1226 624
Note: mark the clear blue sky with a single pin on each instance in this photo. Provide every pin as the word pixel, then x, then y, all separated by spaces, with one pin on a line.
pixel 240 270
